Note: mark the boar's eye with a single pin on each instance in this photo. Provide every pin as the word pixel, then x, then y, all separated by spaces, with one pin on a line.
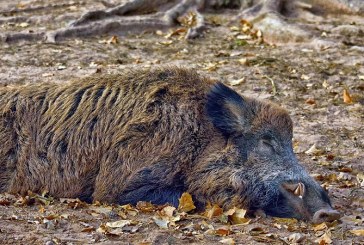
pixel 266 144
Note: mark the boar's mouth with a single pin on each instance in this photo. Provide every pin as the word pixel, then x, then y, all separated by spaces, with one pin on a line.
pixel 293 201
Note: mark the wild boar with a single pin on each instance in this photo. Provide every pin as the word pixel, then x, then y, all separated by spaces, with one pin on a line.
pixel 150 136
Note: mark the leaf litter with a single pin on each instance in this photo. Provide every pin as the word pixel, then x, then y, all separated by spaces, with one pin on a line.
pixel 321 89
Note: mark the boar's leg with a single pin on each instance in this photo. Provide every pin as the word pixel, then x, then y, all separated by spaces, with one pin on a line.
pixel 208 183
pixel 7 149
pixel 157 184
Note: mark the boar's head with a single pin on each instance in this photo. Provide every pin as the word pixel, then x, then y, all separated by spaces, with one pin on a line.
pixel 266 174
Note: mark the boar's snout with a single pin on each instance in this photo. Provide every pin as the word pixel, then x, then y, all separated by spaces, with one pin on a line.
pixel 325 215
pixel 309 201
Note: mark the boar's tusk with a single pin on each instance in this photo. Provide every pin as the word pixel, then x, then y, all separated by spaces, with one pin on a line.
pixel 300 190
pixel 296 189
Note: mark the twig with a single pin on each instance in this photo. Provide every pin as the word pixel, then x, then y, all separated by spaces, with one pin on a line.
pixel 274 88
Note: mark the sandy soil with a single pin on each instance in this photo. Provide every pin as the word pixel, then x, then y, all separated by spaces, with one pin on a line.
pixel 308 79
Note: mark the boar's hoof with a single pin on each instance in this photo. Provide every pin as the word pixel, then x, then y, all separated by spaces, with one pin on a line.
pixel 325 215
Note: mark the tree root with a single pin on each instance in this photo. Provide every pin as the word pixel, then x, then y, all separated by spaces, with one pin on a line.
pixel 37 8
pixel 135 7
pixel 116 20
pixel 110 26
pixel 270 16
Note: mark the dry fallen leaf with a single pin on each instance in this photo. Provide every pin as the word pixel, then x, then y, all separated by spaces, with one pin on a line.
pixel 61 67
pixel 286 220
pixel 115 232
pixel 186 203
pixel 346 96
pixel 246 25
pixel 345 169
pixel 47 74
pixel 129 209
pixel 51 216
pixel 115 228
pixel 97 211
pixel 314 150
pixel 213 211
pixel 229 241
pixel 259 34
pixel 360 179
pixel 310 101
pixel 257 231
pixel 166 42
pixel 145 206
pixel 325 239
pixel 238 216
pixel 305 77
pixel 73 202
pixel 159 33
pixel 294 238
pixel 235 53
pixel 102 229
pixel 168 211
pixel 112 40
pixel 4 202
pixel 358 232
pixel 325 84
pixel 236 82
pixel 162 223
pixel 179 31
pixel 243 61
pixel 188 20
pixel 331 177
pixel 32 198
pixel 243 37
pixel 320 227
pixel 24 24
pixel 210 66
pixel 223 231
pixel 344 176
pixel 118 224
pixel 88 229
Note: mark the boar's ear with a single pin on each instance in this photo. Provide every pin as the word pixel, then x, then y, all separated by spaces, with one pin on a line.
pixel 227 110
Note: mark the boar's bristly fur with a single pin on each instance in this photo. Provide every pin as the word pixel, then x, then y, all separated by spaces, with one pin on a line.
pixel 150 136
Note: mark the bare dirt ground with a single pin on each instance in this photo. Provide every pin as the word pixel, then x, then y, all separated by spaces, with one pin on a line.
pixel 320 83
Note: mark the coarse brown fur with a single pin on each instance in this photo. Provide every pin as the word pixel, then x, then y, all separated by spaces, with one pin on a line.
pixel 146 135
pixel 90 136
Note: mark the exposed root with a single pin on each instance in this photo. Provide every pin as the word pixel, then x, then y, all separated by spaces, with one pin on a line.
pixel 277 30
pixel 13 19
pixel 198 29
pixel 39 8
pixel 135 7
pixel 181 9
pixel 111 26
pixel 15 37
pixel 114 21
pixel 270 16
